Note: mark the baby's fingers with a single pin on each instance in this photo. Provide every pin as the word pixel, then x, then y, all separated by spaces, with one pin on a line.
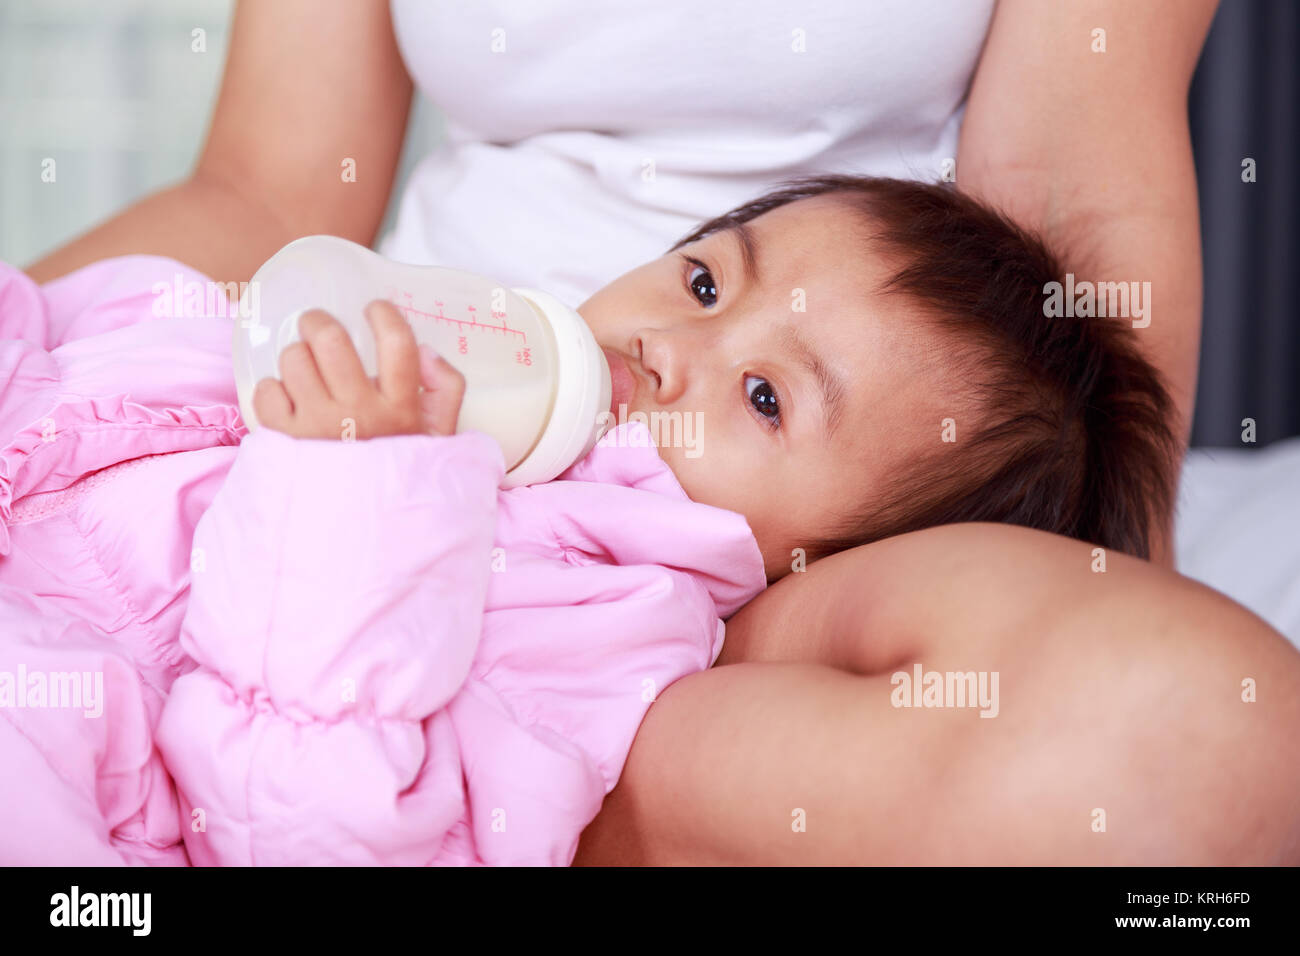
pixel 444 389
pixel 336 357
pixel 300 376
pixel 395 351
pixel 271 405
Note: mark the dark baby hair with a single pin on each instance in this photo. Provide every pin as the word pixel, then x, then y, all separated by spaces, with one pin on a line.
pixel 1073 434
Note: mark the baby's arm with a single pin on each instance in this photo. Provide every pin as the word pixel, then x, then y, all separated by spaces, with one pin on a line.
pixel 335 607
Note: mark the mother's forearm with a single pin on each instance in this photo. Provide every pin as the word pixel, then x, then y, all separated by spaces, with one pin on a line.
pixel 202 222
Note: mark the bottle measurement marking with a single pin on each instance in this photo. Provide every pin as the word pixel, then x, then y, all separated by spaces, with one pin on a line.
pixel 472 322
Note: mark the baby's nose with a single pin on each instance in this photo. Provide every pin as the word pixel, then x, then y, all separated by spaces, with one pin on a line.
pixel 659 360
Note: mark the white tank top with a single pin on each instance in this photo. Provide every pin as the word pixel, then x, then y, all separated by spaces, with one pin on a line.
pixel 584 137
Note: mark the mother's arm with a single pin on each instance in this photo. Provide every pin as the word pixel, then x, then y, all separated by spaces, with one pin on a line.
pixel 1119 690
pixel 307 84
pixel 1092 149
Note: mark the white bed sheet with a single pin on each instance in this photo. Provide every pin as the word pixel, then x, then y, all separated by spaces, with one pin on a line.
pixel 1237 528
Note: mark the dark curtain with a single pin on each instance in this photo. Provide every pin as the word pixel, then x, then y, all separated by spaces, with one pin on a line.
pixel 1244 104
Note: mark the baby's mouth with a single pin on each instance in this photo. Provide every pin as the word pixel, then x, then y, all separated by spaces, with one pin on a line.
pixel 622 380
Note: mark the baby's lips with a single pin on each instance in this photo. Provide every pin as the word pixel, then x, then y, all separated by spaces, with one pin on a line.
pixel 622 381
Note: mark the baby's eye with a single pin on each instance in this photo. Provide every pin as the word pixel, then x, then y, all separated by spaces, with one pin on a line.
pixel 700 281
pixel 763 397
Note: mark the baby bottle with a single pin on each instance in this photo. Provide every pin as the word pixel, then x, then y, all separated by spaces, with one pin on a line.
pixel 535 379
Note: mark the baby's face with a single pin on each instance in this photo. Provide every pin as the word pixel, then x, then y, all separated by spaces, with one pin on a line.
pixel 808 389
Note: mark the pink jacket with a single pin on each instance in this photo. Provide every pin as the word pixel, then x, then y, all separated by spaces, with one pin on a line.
pixel 312 651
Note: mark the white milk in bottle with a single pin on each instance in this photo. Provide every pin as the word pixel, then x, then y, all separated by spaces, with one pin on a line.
pixel 535 379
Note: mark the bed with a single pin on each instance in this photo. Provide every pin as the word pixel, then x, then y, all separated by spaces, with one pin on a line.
pixel 1237 528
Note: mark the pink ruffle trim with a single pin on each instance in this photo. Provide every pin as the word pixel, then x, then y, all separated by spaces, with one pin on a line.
pixel 86 435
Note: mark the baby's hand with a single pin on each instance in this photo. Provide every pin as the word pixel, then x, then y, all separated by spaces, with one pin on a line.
pixel 324 392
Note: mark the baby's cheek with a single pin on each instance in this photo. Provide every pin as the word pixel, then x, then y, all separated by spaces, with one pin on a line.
pixel 723 481
pixel 704 477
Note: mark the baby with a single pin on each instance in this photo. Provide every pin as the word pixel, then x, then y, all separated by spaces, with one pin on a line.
pixel 296 649
pixel 871 357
